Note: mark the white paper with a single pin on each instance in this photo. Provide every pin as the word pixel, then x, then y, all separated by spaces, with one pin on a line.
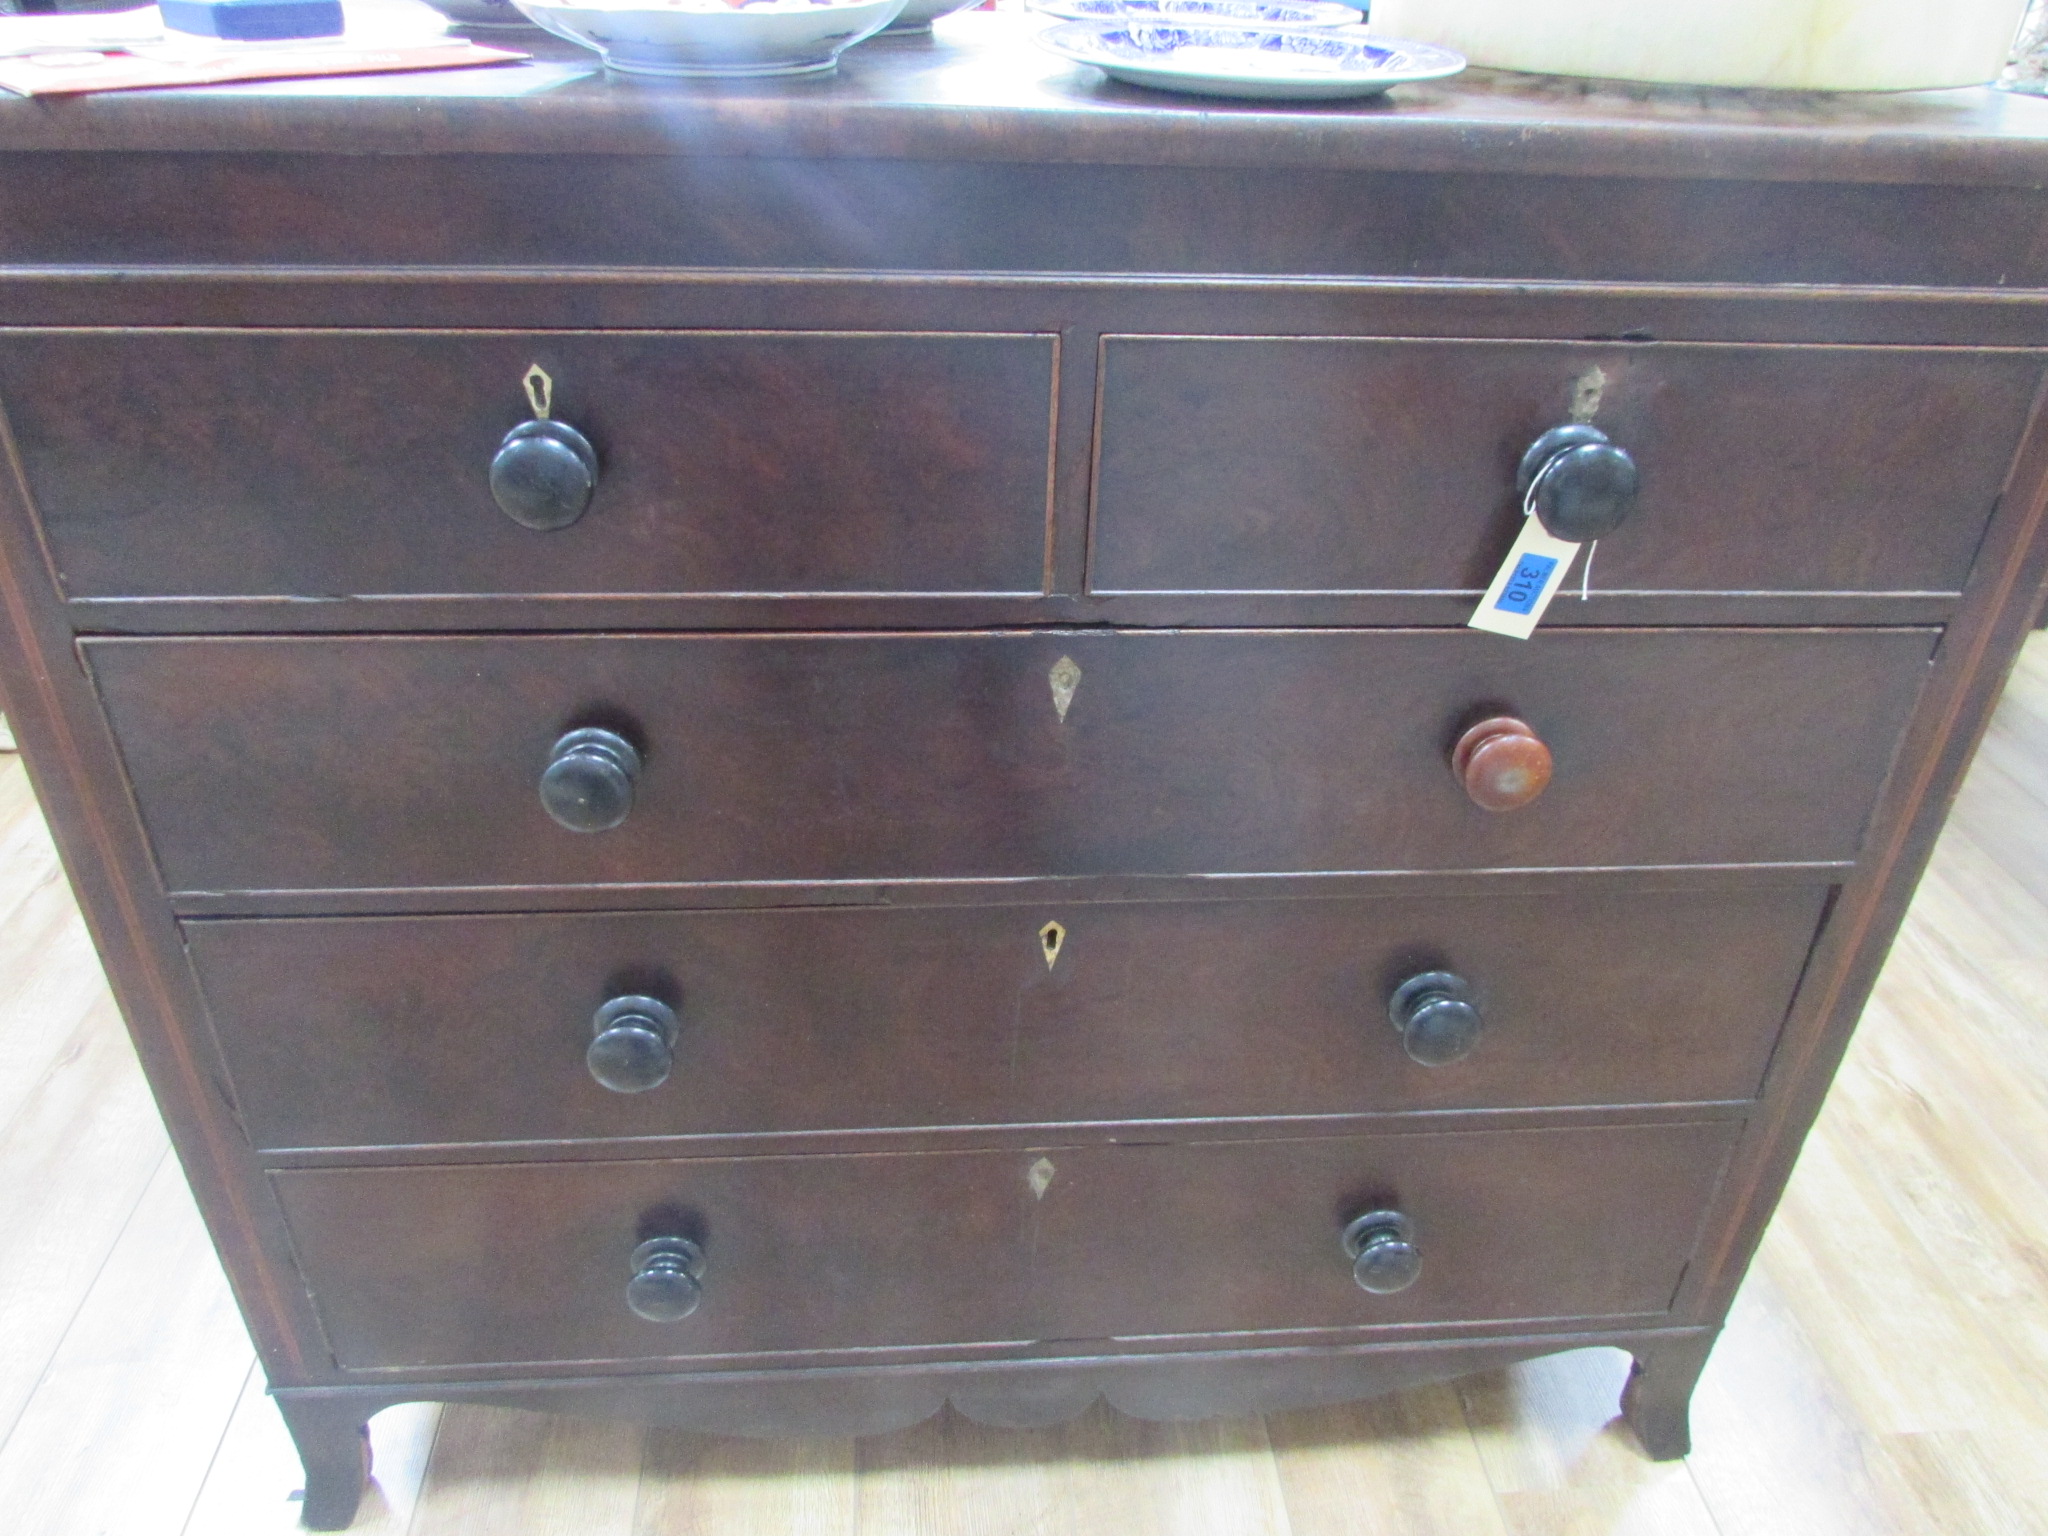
pixel 1526 582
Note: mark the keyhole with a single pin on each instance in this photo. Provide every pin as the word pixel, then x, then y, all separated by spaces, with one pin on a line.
pixel 1587 392
pixel 1050 938
pixel 540 391
pixel 1065 677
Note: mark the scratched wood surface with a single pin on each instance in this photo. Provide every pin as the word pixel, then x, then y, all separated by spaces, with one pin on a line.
pixel 1885 1369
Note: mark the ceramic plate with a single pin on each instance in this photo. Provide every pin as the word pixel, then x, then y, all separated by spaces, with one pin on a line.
pixel 1262 63
pixel 786 38
pixel 1206 13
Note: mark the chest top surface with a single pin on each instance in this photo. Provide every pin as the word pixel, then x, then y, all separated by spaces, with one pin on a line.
pixel 978 152
pixel 981 90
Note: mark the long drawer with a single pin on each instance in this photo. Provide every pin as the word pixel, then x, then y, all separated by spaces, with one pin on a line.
pixel 406 1031
pixel 1305 464
pixel 419 1267
pixel 318 764
pixel 339 464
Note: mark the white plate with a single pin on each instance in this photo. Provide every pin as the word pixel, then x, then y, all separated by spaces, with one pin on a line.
pixel 1261 63
pixel 670 40
pixel 1206 13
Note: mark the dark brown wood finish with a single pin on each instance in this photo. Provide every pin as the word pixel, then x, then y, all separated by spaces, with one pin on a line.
pixel 809 1400
pixel 363 1032
pixel 1369 309
pixel 75 768
pixel 332 764
pixel 668 613
pixel 1321 464
pixel 336 465
pixel 665 210
pixel 1068 890
pixel 1819 323
pixel 909 97
pixel 819 1401
pixel 1976 654
pixel 906 160
pixel 1658 1394
pixel 526 298
pixel 425 1267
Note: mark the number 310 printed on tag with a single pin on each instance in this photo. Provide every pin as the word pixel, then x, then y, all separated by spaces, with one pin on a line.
pixel 1526 582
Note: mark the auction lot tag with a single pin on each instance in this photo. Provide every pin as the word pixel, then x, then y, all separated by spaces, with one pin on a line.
pixel 1526 582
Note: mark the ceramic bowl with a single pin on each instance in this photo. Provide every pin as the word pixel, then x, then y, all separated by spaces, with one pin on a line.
pixel 709 38
pixel 1226 13
pixel 481 13
pixel 918 15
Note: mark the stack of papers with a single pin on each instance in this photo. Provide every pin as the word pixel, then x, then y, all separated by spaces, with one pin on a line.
pixel 130 50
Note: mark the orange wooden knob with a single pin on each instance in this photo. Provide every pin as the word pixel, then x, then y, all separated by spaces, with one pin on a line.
pixel 1502 763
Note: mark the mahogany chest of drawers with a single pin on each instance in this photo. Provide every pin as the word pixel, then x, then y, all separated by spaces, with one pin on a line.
pixel 767 757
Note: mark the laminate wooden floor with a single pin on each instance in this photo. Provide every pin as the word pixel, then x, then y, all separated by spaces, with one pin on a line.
pixel 1886 1369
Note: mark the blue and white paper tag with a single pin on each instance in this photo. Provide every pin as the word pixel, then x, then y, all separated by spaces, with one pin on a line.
pixel 1526 582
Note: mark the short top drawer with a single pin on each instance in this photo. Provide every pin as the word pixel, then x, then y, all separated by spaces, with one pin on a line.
pixel 337 464
pixel 380 763
pixel 1332 464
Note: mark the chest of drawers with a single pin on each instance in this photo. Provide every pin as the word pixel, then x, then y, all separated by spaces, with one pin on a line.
pixel 931 860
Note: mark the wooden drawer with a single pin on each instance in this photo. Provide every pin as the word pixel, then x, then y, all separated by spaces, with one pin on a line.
pixel 385 763
pixel 320 764
pixel 415 1267
pixel 340 464
pixel 396 1031
pixel 1338 464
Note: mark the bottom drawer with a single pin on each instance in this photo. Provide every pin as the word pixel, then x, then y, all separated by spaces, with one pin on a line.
pixel 489 1264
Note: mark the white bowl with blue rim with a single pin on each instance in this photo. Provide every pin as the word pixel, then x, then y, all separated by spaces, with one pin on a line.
pixel 1229 13
pixel 1255 63
pixel 709 38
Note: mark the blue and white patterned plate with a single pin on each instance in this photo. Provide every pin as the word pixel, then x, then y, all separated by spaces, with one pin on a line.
pixel 1206 13
pixel 1263 63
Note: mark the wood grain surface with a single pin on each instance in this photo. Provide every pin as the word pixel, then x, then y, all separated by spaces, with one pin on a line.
pixel 394 1031
pixel 1864 1383
pixel 956 213
pixel 895 96
pixel 843 1258
pixel 971 151
pixel 276 765
pixel 1315 464
pixel 337 465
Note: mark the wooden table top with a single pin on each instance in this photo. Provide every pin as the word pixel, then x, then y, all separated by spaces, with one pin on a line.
pixel 980 89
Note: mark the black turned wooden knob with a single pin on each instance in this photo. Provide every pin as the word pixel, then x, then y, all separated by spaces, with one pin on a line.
pixel 1435 1014
pixel 543 474
pixel 632 1044
pixel 588 783
pixel 1584 486
pixel 667 1279
pixel 1381 1246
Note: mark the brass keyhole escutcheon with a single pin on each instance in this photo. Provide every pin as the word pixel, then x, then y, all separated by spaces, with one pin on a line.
pixel 1039 1177
pixel 540 391
pixel 1587 392
pixel 1050 938
pixel 1065 677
